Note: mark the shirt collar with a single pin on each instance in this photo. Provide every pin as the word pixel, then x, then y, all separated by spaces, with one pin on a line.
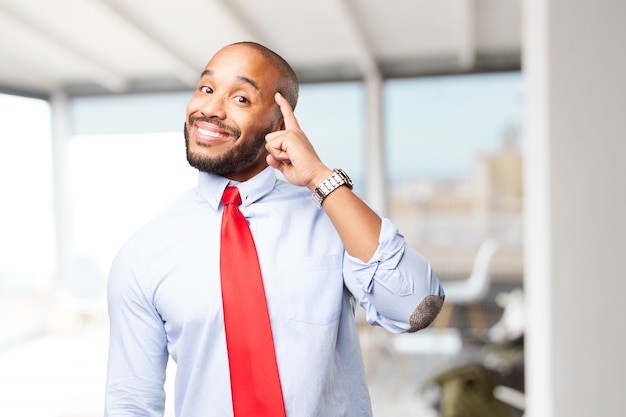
pixel 211 187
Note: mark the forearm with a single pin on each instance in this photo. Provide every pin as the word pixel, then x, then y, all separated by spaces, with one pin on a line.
pixel 357 225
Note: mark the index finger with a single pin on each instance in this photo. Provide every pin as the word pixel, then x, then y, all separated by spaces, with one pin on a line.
pixel 285 108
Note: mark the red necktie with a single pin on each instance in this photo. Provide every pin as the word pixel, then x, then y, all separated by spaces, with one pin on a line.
pixel 254 379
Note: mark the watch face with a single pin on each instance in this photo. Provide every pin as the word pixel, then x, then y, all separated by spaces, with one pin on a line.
pixel 346 178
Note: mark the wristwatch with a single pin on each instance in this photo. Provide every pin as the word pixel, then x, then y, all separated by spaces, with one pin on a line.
pixel 336 180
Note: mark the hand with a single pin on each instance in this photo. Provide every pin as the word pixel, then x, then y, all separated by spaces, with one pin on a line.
pixel 291 152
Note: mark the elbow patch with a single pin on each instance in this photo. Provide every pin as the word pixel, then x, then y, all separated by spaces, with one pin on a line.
pixel 425 312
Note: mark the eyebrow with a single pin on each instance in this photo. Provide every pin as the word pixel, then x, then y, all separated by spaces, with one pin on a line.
pixel 239 77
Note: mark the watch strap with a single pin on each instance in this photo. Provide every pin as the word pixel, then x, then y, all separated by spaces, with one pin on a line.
pixel 336 180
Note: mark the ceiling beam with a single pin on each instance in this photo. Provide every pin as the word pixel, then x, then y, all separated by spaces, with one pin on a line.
pixel 244 23
pixel 366 61
pixel 103 75
pixel 185 70
pixel 467 34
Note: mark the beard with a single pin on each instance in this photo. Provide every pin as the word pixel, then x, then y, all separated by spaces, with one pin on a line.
pixel 240 157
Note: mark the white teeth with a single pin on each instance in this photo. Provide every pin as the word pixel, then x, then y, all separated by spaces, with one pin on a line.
pixel 209 133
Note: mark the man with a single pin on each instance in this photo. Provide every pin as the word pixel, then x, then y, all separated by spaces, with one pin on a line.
pixel 317 257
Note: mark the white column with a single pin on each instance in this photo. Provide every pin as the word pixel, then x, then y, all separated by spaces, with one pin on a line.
pixel 575 183
pixel 375 170
pixel 62 207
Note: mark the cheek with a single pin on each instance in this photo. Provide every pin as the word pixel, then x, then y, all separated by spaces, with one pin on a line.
pixel 264 121
pixel 192 106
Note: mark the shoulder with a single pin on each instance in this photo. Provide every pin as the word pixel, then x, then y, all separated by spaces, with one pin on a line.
pixel 176 221
pixel 173 217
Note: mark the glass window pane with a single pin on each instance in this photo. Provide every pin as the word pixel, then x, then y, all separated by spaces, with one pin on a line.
pixel 332 116
pixel 455 166
pixel 119 181
pixel 27 240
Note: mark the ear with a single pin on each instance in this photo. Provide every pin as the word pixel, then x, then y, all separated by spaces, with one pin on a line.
pixel 280 121
pixel 279 125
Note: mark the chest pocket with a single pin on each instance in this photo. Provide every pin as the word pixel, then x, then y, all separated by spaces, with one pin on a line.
pixel 314 287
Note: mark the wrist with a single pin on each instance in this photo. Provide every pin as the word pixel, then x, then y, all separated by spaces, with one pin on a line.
pixel 319 177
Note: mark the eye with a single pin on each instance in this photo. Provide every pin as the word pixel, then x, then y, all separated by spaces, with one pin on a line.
pixel 205 89
pixel 242 100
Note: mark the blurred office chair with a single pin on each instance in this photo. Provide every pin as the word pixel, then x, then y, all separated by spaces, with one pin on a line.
pixel 471 291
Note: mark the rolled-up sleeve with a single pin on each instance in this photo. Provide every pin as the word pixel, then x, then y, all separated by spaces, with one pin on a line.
pixel 397 287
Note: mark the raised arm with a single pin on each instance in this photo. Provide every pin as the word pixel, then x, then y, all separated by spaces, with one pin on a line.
pixel 291 153
pixel 394 284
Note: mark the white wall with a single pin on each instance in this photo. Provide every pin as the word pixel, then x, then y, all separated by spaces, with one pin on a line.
pixel 575 69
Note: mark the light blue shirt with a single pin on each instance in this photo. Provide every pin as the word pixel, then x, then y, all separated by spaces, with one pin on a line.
pixel 165 300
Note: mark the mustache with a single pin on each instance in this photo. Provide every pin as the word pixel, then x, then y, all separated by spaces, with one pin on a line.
pixel 215 121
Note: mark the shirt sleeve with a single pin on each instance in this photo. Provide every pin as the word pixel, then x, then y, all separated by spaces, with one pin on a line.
pixel 396 285
pixel 137 346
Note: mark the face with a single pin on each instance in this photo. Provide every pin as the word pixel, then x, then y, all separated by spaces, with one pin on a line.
pixel 230 113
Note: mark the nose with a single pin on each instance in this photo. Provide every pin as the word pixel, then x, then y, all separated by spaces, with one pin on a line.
pixel 211 105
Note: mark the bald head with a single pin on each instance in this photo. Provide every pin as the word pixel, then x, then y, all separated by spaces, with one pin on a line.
pixel 288 81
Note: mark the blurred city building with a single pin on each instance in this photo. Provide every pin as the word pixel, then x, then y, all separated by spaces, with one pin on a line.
pixel 447 219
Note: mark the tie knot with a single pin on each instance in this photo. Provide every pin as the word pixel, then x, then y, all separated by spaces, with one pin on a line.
pixel 231 196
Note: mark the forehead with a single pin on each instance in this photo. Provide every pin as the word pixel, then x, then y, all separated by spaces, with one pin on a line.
pixel 241 62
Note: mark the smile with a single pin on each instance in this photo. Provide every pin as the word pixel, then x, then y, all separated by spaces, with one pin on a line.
pixel 211 133
pixel 206 132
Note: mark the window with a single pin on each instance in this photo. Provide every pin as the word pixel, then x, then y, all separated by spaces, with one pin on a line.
pixel 454 164
pixel 123 171
pixel 27 236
